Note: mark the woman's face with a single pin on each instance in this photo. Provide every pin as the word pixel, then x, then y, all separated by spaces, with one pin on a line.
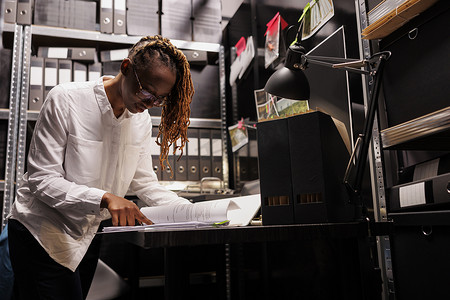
pixel 148 88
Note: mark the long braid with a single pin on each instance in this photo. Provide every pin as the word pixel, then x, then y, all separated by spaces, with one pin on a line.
pixel 175 115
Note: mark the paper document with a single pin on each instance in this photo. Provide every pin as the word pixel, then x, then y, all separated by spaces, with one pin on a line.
pixel 237 211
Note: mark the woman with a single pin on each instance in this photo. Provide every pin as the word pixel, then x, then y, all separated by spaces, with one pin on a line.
pixel 91 145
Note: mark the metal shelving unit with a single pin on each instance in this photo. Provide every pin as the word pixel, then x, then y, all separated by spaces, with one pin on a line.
pixel 376 165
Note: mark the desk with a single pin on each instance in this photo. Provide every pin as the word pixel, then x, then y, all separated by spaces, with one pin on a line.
pixel 174 241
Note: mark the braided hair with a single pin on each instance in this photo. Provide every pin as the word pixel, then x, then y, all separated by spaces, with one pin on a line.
pixel 156 50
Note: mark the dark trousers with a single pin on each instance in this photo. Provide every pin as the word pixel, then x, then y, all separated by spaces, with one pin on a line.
pixel 38 276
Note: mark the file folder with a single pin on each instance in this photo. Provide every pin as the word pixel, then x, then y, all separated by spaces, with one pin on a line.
pixel 176 20
pixel 74 53
pixel 302 162
pixel 207 17
pixel 36 94
pixel 83 54
pixel 196 57
pixel 142 17
pixel 79 72
pixel 5 76
pixel 85 15
pixel 50 74
pixel 244 169
pixel 9 15
pixel 205 153
pixel 119 17
pixel 24 12
pixel 253 155
pixel 46 12
pixel 106 16
pixel 94 71
pixel 155 151
pixel 166 174
pixel 64 70
pixel 193 155
pixel 64 13
pixel 217 154
pixel 114 55
pixel 180 167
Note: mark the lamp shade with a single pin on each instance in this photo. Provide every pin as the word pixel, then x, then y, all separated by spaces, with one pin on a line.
pixel 288 83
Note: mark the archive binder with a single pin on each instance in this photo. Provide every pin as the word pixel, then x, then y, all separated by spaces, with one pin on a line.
pixel 155 151
pixel 180 167
pixel 94 71
pixel 176 20
pixel 9 15
pixel 142 17
pixel 193 155
pixel 36 94
pixel 205 153
pixel 166 173
pixel 113 55
pixel 64 70
pixel 106 16
pixel 302 162
pixel 85 15
pixel 206 25
pixel 50 74
pixel 64 14
pixel 47 12
pixel 216 143
pixel 74 53
pixel 79 72
pixel 119 17
pixel 24 12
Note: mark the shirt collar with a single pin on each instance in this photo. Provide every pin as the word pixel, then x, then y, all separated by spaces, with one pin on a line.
pixel 100 94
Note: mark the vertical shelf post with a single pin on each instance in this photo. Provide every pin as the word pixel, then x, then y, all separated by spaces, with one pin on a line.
pixel 13 121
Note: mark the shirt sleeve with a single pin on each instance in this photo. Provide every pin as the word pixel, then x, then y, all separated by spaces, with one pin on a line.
pixel 45 168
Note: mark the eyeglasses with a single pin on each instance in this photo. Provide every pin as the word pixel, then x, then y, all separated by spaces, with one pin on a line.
pixel 147 97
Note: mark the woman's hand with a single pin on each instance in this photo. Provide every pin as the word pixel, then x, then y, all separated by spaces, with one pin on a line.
pixel 123 212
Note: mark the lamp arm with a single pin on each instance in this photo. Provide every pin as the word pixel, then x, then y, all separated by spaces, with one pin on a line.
pixel 377 72
pixel 347 64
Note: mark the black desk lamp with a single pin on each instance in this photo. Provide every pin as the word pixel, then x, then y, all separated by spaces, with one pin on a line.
pixel 290 82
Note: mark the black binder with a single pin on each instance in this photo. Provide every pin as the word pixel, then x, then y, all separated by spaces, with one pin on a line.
pixel 205 153
pixel 217 153
pixel 155 150
pixel 193 155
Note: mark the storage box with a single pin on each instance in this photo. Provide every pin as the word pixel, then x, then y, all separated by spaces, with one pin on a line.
pixel 302 162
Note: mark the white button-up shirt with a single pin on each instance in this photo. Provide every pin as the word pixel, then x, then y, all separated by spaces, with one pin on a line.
pixel 80 151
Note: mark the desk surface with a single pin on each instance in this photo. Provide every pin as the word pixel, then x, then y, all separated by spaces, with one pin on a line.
pixel 247 234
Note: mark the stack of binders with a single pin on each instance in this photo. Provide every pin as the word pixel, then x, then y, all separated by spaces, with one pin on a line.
pixel 65 13
pixel 55 65
pixel 113 16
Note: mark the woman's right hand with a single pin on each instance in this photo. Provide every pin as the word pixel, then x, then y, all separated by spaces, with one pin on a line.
pixel 123 212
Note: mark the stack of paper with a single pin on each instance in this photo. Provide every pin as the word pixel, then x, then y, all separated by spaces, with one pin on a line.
pixel 237 211
pixel 388 17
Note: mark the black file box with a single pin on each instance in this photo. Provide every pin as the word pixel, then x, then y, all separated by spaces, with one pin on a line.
pixel 275 172
pixel 302 162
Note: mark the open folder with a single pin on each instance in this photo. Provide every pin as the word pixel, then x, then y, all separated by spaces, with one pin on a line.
pixel 236 211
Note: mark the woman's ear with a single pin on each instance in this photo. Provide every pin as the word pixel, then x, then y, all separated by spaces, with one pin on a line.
pixel 125 66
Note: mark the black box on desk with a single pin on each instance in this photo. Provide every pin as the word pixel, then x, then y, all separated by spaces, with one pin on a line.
pixel 275 172
pixel 302 162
